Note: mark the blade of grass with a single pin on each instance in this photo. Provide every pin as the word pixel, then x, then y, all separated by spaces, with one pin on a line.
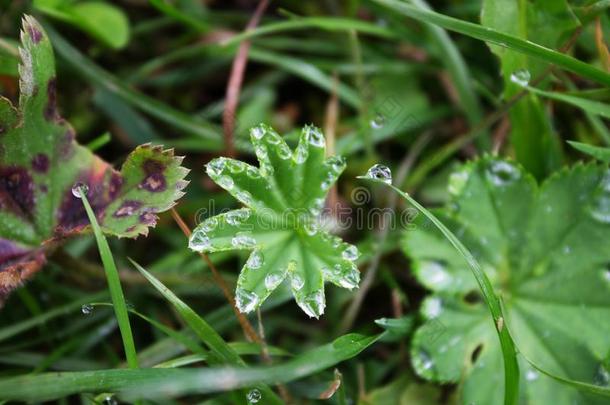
pixel 511 366
pixel 160 383
pixel 114 284
pixel 508 41
pixel 598 152
pixel 169 10
pixel 590 106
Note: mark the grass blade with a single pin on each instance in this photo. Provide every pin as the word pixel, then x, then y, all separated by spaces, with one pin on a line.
pixel 590 106
pixel 511 366
pixel 114 285
pixel 498 38
pixel 598 152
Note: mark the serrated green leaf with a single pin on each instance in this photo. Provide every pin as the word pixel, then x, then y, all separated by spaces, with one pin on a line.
pixel 284 196
pixel 40 162
pixel 545 250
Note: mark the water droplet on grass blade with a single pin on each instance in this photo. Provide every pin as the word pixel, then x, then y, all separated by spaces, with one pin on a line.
pixel 215 167
pixel 237 217
pixel 79 188
pixel 301 154
pixel 380 172
pixel 245 301
pixel 424 364
pixel 254 396
pixel 86 309
pixel 378 122
pixel 521 77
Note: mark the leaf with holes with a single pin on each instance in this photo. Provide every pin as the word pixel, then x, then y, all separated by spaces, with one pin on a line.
pixel 281 222
pixel 40 161
pixel 545 249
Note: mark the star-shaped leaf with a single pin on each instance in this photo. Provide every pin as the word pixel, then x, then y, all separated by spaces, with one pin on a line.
pixel 546 250
pixel 284 197
pixel 40 162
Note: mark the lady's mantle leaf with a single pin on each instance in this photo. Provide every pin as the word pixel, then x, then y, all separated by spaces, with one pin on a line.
pixel 40 162
pixel 546 251
pixel 284 198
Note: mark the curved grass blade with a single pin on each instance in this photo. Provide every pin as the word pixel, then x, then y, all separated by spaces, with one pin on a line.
pixel 511 366
pixel 114 284
pixel 498 38
pixel 590 106
pixel 598 152
pixel 158 382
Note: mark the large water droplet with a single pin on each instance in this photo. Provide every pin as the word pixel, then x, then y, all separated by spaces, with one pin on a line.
pixel 273 139
pixel 272 280
pixel 226 182
pixel 257 132
pixel 245 301
pixel 284 152
pixel 315 137
pixel 350 279
pixel 243 240
pixel 86 309
pixel 254 396
pixel 296 282
pixel 313 304
pixel 521 77
pixel 350 253
pixel 79 188
pixel 378 122
pixel 380 172
pixel 199 241
pixel 215 167
pixel 336 163
pixel 256 260
pixel 600 209
pixel 502 173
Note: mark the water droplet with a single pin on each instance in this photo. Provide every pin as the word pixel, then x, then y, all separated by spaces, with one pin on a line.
pixel 199 241
pixel 86 309
pixel 235 166
pixel 209 224
pixel 284 152
pixel 236 217
pixel 531 375
pixel 521 77
pixel 380 172
pixel 272 280
pixel 245 301
pixel 311 228
pixel 109 400
pixel 215 167
pixel 315 137
pixel 254 396
pixel 602 376
pixel 600 210
pixel 244 196
pixel 502 173
pixel 423 363
pixel 567 250
pixel 301 154
pixel 350 253
pixel 261 152
pixel 378 122
pixel 606 275
pixel 273 139
pixel 257 132
pixel 226 182
pixel 243 240
pixel 296 282
pixel 457 181
pixel 351 278
pixel 432 307
pixel 79 188
pixel 256 260
pixel 253 172
pixel 435 273
pixel 313 304
pixel 336 163
pixel 330 179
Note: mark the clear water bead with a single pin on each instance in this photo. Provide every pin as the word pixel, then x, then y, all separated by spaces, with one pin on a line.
pixel 380 172
pixel 301 154
pixel 256 260
pixel 216 167
pixel 236 217
pixel 316 138
pixel 350 253
pixel 199 241
pixel 314 304
pixel 79 188
pixel 245 301
pixel 86 309
pixel 258 132
pixel 209 224
pixel 243 240
pixel 378 122
pixel 297 282
pixel 226 182
pixel 254 396
pixel 521 77
pixel 272 280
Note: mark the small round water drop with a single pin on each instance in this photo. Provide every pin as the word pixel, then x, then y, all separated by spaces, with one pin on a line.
pixel 86 309
pixel 110 400
pixel 244 196
pixel 245 301
pixel 210 224
pixel 235 166
pixel 502 173
pixel 236 217
pixel 79 188
pixel 311 228
pixel 272 280
pixel 256 260
pixel 378 122
pixel 531 375
pixel 284 152
pixel 258 132
pixel 380 172
pixel 600 209
pixel 350 253
pixel 521 77
pixel 423 363
pixel 253 173
pixel 254 396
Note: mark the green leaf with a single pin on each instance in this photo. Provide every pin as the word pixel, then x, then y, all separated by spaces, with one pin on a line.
pixel 40 162
pixel 598 152
pixel 104 22
pixel 544 248
pixel 284 198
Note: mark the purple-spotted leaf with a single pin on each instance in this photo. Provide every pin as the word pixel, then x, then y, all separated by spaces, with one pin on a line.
pixel 281 224
pixel 40 162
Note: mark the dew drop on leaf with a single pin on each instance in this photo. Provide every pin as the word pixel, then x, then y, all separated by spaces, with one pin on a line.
pixel 435 273
pixel 226 182
pixel 256 260
pixel 253 173
pixel 350 279
pixel 109 400
pixel 336 163
pixel 600 210
pixel 272 280
pixel 378 122
pixel 380 172
pixel 283 151
pixel 237 217
pixel 210 224
pixel 311 228
pixel 254 396
pixel 79 188
pixel 602 376
pixel 457 181
pixel 244 196
pixel 313 304
pixel 215 167
pixel 246 301
pixel 273 139
pixel 521 77
pixel 235 166
pixel 423 363
pixel 432 307
pixel 296 282
pixel 606 275
pixel 315 137
pixel 501 173
pixel 531 375
pixel 258 132
pixel 301 154
pixel 86 309
pixel 243 240
pixel 199 241
pixel 350 253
